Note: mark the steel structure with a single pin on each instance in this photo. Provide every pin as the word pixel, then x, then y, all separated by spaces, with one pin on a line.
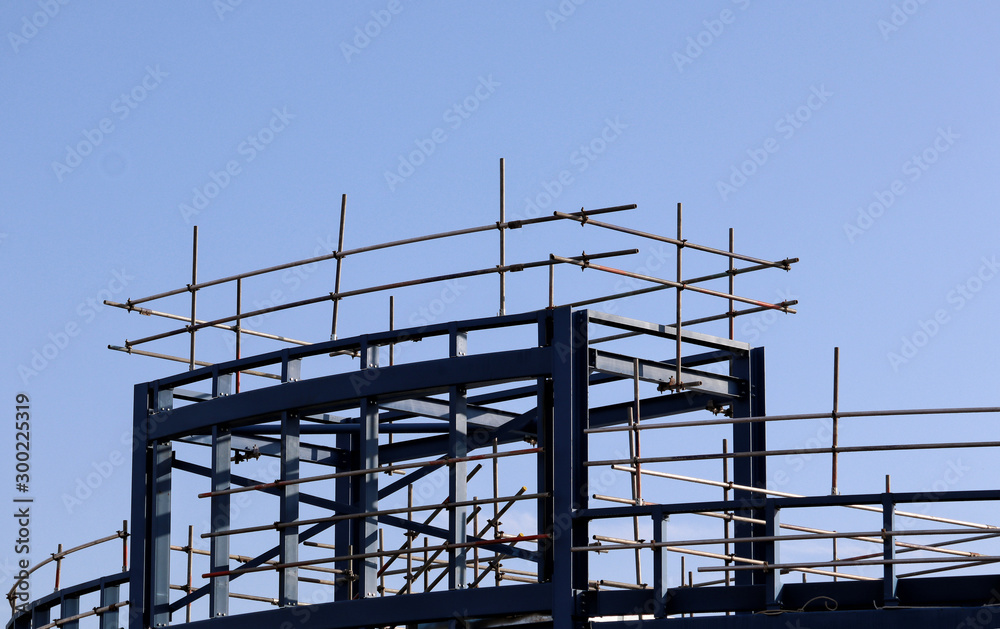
pixel 376 516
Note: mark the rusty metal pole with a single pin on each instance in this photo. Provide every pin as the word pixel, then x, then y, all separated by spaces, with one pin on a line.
pixel 239 334
pixel 836 422
pixel 503 241
pixel 190 570
pixel 194 293
pixel 339 258
pixel 732 291
pixel 680 287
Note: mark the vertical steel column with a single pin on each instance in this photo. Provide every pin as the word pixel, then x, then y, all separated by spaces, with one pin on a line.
pixel 367 533
pixel 888 550
pixel 69 606
pixel 772 581
pixel 758 442
pixel 749 471
pixel 661 593
pixel 344 529
pixel 218 595
pixel 141 467
pixel 545 473
pixel 570 381
pixel 110 595
pixel 457 447
pixel 159 540
pixel 41 617
pixel 288 584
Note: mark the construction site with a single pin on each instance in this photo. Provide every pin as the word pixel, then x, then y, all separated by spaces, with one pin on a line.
pixel 563 466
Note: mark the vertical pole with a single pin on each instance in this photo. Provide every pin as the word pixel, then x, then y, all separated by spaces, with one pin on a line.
pixel 680 248
pixel 110 595
pixel 634 454
pixel 772 528
pixel 381 563
pixel 836 422
pixel 288 584
pixel 552 284
pixel 475 550
pixel 545 472
pixel 69 606
pixel 124 545
pixel 367 535
pixel 344 529
pixel 570 372
pixel 336 282
pixel 160 540
pixel 732 291
pixel 239 332
pixel 496 505
pixel 457 448
pixel 410 535
pixel 638 433
pixel 503 241
pixel 189 549
pixel 141 472
pixel 218 601
pixel 660 590
pixel 59 558
pixel 194 291
pixel 392 326
pixel 40 617
pixel 427 572
pixel 726 522
pixel 749 471
pixel 888 548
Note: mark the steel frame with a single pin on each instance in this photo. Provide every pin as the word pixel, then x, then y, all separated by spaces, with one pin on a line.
pixel 453 410
pixel 457 424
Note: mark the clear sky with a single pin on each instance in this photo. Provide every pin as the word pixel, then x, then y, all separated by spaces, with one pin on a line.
pixel 859 136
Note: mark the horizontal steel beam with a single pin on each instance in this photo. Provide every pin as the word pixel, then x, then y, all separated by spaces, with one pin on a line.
pixel 317 395
pixel 662 373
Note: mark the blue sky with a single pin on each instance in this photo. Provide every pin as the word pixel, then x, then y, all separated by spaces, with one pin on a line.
pixel 860 137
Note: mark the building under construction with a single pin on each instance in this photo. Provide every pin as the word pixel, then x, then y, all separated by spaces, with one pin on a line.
pixel 573 467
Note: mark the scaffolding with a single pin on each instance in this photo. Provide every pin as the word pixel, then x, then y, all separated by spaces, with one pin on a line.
pixel 393 480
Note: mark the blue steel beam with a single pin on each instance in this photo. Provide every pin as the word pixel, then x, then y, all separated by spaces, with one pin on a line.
pixel 219 515
pixel 457 448
pixel 320 394
pixel 288 578
pixel 159 534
